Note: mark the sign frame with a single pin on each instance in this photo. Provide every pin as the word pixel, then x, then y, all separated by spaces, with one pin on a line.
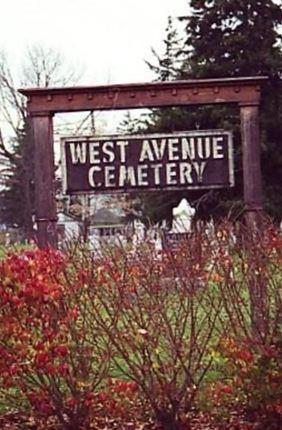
pixel 44 103
pixel 136 137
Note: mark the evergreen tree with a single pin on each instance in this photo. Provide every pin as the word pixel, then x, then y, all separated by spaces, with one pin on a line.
pixel 229 38
pixel 168 64
pixel 155 206
pixel 17 197
pixel 233 38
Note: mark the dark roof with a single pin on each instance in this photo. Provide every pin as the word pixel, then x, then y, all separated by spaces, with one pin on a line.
pixel 69 217
pixel 106 217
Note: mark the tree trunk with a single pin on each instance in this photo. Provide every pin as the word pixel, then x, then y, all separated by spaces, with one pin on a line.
pixel 168 421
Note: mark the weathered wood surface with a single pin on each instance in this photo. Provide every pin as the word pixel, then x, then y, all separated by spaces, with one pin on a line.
pixel 147 95
pixel 251 163
pixel 45 202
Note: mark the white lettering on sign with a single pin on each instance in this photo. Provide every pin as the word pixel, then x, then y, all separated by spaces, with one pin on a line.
pixel 122 145
pixel 91 173
pixel 139 175
pixel 94 152
pixel 146 152
pixel 78 153
pixel 188 148
pixel 199 168
pixel 127 176
pixel 156 168
pixel 159 148
pixel 108 150
pixel 173 149
pixel 171 174
pixel 204 147
pixel 142 175
pixel 217 147
pixel 109 176
pixel 185 173
pixel 188 159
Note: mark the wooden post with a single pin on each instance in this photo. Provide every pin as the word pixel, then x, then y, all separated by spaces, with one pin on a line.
pixel 253 213
pixel 251 164
pixel 45 203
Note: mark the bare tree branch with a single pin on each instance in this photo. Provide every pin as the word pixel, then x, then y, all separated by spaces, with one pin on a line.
pixel 41 68
pixel 3 149
pixel 45 67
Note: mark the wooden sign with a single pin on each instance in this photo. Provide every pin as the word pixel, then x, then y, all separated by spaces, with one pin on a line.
pixel 186 160
pixel 44 103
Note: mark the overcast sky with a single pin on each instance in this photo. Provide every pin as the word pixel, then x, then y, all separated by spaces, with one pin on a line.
pixel 109 39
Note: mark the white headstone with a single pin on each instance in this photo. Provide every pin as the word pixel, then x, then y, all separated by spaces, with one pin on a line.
pixel 182 217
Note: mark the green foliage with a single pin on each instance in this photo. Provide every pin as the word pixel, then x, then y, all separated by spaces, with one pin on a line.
pixel 167 67
pixel 240 38
pixel 233 38
pixel 17 198
pixel 227 38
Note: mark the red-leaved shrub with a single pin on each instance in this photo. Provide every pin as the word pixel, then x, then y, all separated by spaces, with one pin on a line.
pixel 122 338
pixel 48 360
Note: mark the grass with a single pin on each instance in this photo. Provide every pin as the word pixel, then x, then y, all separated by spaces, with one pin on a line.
pixel 16 247
pixel 152 324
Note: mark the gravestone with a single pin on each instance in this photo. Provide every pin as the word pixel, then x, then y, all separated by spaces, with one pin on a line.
pixel 181 224
pixel 182 217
